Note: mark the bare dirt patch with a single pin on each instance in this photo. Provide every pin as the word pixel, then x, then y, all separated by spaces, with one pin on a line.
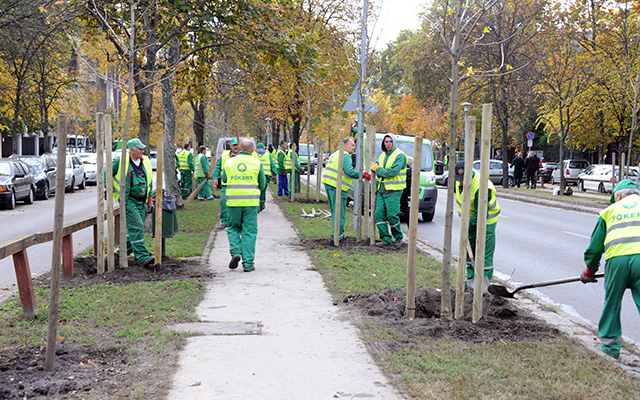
pixel 90 371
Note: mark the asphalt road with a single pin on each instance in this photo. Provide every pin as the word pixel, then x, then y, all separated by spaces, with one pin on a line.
pixel 37 217
pixel 538 243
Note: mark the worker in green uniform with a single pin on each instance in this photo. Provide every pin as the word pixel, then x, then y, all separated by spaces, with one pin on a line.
pixel 245 181
pixel 330 181
pixel 137 190
pixel 295 166
pixel 493 211
pixel 186 167
pixel 217 172
pixel 617 235
pixel 284 168
pixel 269 167
pixel 391 169
pixel 202 174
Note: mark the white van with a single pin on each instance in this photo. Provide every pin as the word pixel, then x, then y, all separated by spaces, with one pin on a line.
pixel 225 144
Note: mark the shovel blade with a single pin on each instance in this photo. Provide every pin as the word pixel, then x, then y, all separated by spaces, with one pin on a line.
pixel 500 291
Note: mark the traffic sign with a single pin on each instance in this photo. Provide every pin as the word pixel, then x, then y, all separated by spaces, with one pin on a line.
pixel 531 135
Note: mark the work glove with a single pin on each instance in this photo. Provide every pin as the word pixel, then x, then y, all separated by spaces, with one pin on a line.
pixel 367 176
pixel 208 177
pixel 149 206
pixel 587 276
pixel 283 173
pixel 373 167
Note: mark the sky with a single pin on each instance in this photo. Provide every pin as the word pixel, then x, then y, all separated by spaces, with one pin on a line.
pixel 396 15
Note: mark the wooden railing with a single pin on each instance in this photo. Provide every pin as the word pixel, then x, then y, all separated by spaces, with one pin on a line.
pixel 18 249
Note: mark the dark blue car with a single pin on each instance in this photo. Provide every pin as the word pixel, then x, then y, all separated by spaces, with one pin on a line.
pixel 43 169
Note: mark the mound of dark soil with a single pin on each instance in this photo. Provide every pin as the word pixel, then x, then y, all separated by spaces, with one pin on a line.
pixel 79 368
pixel 350 244
pixel 501 319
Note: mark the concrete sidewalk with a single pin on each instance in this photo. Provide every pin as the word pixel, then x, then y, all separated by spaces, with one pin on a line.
pixel 274 333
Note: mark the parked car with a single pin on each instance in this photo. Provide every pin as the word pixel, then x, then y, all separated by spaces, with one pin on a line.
pixel 74 173
pixel 43 169
pixel 546 171
pixel 598 177
pixel 153 158
pixel 16 183
pixel 325 157
pixel 495 173
pixel 90 163
pixel 572 168
pixel 307 160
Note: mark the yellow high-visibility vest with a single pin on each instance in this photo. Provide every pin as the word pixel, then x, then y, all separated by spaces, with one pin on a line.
pixel 242 173
pixel 117 179
pixel 493 206
pixel 287 158
pixel 265 159
pixel 623 227
pixel 398 182
pixel 330 173
pixel 183 159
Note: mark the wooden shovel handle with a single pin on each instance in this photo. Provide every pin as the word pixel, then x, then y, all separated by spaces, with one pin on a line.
pixel 561 281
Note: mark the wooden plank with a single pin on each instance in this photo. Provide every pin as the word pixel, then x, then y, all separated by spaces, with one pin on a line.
pixel 413 229
pixel 98 229
pixel 67 256
pixel 25 284
pixel 338 201
pixel 159 176
pixel 111 221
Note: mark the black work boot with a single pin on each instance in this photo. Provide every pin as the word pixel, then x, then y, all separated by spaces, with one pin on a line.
pixel 233 264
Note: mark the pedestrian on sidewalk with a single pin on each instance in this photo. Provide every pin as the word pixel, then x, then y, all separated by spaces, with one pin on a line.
pixel 330 181
pixel 217 172
pixel 138 188
pixel 186 167
pixel 518 168
pixel 245 181
pixel 616 234
pixel 493 211
pixel 202 174
pixel 531 168
pixel 391 169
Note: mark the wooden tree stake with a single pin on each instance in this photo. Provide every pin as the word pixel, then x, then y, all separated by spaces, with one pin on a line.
pixel 413 228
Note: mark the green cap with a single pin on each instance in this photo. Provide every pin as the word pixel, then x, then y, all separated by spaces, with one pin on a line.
pixel 234 141
pixel 260 145
pixel 623 184
pixel 135 143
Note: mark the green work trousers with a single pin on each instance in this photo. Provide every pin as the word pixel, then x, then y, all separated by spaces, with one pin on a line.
pixel 388 215
pixel 223 206
pixel 185 182
pixel 331 195
pixel 622 272
pixel 490 247
pixel 293 180
pixel 263 194
pixel 136 213
pixel 242 230
pixel 205 192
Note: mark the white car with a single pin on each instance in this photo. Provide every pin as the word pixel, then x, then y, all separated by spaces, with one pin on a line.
pixel 598 177
pixel 153 158
pixel 74 173
pixel 90 163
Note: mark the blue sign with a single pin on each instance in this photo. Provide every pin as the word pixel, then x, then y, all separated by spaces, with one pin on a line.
pixel 531 135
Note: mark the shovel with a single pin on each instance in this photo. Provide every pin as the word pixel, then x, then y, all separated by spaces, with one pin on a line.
pixel 501 291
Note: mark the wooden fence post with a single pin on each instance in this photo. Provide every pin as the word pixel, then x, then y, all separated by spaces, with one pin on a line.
pixel 469 146
pixel 478 274
pixel 374 189
pixel 338 201
pixel 98 242
pixel 113 224
pixel 54 301
pixel 25 284
pixel 159 176
pixel 413 228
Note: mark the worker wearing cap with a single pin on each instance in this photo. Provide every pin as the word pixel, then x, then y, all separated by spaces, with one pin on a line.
pixel 269 167
pixel 138 193
pixel 493 211
pixel 186 167
pixel 245 180
pixel 295 166
pixel 217 172
pixel 391 170
pixel 202 174
pixel 330 181
pixel 617 235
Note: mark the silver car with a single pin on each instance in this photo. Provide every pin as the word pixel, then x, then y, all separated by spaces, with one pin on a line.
pixel 495 173
pixel 74 173
pixel 90 163
pixel 571 169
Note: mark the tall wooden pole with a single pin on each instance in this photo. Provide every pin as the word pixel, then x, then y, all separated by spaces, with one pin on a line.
pixel 99 250
pixel 469 147
pixel 111 238
pixel 413 228
pixel 478 274
pixel 159 176
pixel 366 216
pixel 371 139
pixel 320 148
pixel 338 202
pixel 58 224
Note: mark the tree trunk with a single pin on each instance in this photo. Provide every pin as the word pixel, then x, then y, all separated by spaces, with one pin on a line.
pixel 171 180
pixel 198 107
pixel 16 125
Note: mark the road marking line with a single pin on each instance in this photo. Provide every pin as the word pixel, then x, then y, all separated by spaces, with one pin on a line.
pixel 577 234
